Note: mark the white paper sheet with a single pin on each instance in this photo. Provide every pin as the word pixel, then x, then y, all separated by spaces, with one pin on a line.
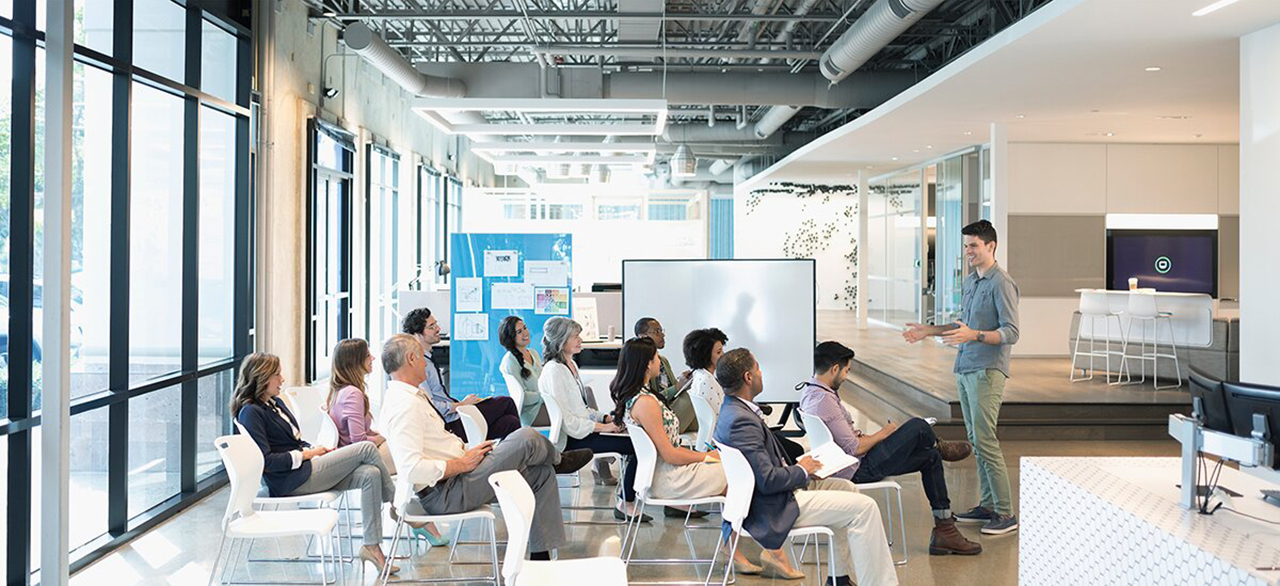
pixel 546 273
pixel 833 459
pixel 552 301
pixel 471 326
pixel 511 296
pixel 584 312
pixel 470 294
pixel 501 263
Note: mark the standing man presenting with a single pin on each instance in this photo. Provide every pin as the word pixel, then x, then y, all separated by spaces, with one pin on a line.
pixel 985 332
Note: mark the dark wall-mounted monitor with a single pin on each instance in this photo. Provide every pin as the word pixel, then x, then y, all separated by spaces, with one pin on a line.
pixel 1183 261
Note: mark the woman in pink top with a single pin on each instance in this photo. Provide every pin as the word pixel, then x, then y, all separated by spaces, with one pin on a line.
pixel 348 407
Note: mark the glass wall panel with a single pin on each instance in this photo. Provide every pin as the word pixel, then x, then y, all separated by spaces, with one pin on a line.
pixel 949 254
pixel 159 38
pixel 155 442
pixel 88 481
pixel 894 254
pixel 217 61
pixel 94 23
pixel 6 119
pixel 217 232
pixel 90 230
pixel 212 420
pixel 155 241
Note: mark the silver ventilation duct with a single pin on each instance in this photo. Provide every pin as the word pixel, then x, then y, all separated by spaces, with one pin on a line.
pixel 772 120
pixel 881 24
pixel 362 40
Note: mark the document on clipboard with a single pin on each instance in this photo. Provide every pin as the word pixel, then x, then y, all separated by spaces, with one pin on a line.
pixel 833 459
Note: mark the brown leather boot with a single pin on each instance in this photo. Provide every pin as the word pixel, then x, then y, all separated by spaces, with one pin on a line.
pixel 947 539
pixel 954 451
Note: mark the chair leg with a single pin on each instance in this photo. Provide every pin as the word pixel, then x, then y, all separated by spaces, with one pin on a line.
pixel 715 554
pixel 217 559
pixel 888 505
pixel 902 525
pixel 728 564
pixel 385 574
pixel 457 536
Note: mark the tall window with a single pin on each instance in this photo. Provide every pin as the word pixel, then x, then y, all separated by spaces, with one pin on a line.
pixel 329 233
pixel 159 179
pixel 384 187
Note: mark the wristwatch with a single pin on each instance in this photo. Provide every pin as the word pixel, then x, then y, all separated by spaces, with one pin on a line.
pixel 982 336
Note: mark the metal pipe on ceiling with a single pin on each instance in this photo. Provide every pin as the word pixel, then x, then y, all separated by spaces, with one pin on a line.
pixel 580 15
pixel 880 25
pixel 362 40
pixel 672 53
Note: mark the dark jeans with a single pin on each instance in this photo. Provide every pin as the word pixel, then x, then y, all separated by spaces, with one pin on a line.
pixel 499 414
pixel 599 443
pixel 912 448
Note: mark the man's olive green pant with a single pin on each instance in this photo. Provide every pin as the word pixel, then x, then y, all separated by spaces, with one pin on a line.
pixel 981 393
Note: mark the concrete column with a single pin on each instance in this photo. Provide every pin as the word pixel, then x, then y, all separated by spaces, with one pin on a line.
pixel 1000 188
pixel 55 418
pixel 861 299
pixel 1259 205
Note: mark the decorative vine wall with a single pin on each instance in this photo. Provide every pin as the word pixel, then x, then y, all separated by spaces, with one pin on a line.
pixel 828 226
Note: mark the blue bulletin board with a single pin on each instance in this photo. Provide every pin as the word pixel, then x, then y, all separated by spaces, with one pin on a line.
pixel 493 276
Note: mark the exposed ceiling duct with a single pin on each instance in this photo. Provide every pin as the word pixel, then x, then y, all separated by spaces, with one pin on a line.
pixel 758 89
pixel 362 40
pixel 882 23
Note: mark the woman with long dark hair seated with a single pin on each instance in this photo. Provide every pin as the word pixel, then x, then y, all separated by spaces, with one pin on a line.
pixel 524 365
pixel 293 467
pixel 680 473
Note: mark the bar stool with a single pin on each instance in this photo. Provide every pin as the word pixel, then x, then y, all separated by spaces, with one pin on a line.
pixel 1093 307
pixel 1142 309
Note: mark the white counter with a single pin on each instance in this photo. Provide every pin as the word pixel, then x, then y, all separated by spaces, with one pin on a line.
pixel 1117 521
pixel 1192 319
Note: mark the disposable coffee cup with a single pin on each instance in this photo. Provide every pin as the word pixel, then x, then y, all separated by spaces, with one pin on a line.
pixel 1133 283
pixel 610 333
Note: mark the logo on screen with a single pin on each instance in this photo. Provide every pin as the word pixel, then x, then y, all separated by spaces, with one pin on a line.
pixel 1163 265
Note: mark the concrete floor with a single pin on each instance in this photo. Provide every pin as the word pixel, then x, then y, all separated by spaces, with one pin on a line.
pixel 182 550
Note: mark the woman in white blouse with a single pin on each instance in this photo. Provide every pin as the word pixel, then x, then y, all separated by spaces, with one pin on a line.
pixel 582 426
pixel 702 348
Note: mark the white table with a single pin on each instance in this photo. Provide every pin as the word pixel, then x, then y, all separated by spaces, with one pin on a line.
pixel 1117 521
pixel 1192 319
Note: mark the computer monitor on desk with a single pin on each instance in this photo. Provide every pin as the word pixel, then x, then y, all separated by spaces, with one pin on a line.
pixel 1209 401
pixel 1244 400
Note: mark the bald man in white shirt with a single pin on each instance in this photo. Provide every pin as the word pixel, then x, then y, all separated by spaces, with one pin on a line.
pixel 449 478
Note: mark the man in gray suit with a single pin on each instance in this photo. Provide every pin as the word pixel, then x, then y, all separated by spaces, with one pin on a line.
pixel 790 496
pixel 448 477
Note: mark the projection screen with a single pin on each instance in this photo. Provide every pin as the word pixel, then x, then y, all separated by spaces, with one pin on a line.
pixel 767 306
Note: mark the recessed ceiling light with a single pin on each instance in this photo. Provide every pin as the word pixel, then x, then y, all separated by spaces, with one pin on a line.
pixel 1020 116
pixel 1109 134
pixel 894 158
pixel 915 150
pixel 928 146
pixel 1174 117
pixel 1216 6
pixel 968 132
pixel 1152 69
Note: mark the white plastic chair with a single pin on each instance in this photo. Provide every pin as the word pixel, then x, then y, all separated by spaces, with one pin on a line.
pixel 1143 309
pixel 646 464
pixel 405 494
pixel 515 390
pixel 242 523
pixel 706 421
pixel 307 405
pixel 328 435
pixel 1094 306
pixel 742 485
pixel 556 414
pixel 819 435
pixel 517 501
pixel 473 424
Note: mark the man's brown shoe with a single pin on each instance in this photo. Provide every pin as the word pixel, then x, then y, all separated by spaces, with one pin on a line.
pixel 954 451
pixel 947 539
pixel 572 460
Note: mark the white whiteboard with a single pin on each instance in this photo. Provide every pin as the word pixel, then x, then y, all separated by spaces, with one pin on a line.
pixel 766 306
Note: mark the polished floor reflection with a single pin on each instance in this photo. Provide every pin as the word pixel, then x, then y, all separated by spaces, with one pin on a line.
pixel 182 550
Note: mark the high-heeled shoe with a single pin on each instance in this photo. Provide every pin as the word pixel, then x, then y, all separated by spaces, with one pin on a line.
pixel 365 556
pixel 775 569
pixel 745 567
pixel 434 540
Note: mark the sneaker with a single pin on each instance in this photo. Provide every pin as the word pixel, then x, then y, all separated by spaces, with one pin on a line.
pixel 1000 525
pixel 977 514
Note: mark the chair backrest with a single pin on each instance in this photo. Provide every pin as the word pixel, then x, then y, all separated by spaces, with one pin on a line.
pixel 1142 304
pixel 646 459
pixel 307 405
pixel 706 420
pixel 404 492
pixel 603 401
pixel 1094 302
pixel 328 436
pixel 742 485
pixel 243 461
pixel 516 499
pixel 515 389
pixel 474 424
pixel 555 415
pixel 817 430
pixel 240 426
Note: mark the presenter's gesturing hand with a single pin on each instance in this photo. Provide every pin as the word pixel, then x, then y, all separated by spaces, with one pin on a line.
pixel 916 332
pixel 959 334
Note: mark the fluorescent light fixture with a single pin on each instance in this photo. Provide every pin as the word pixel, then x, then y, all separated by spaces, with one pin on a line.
pixel 1152 69
pixel 1216 6
pixel 1162 221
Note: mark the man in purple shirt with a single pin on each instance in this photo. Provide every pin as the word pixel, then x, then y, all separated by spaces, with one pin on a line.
pixel 892 451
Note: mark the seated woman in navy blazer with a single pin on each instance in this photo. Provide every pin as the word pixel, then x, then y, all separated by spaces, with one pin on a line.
pixel 293 467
